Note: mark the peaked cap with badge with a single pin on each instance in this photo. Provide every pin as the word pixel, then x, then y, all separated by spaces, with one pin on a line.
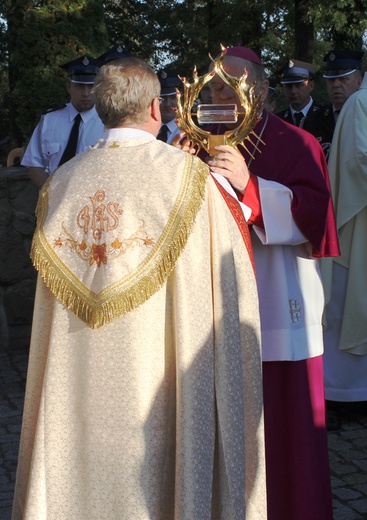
pixel 82 70
pixel 115 53
pixel 170 80
pixel 297 71
pixel 341 63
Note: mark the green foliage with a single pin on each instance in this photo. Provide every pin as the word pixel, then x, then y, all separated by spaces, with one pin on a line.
pixel 342 23
pixel 183 33
pixel 40 35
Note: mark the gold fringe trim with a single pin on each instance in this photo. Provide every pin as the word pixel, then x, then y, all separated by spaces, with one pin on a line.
pixel 97 310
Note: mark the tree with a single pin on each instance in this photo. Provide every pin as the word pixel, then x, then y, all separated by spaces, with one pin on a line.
pixel 183 33
pixel 42 36
pixel 343 25
pixel 303 31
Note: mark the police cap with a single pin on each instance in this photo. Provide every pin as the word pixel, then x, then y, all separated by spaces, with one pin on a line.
pixel 170 80
pixel 82 70
pixel 116 53
pixel 341 63
pixel 297 71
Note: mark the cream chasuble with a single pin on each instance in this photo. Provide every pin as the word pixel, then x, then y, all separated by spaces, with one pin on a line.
pixel 348 179
pixel 144 394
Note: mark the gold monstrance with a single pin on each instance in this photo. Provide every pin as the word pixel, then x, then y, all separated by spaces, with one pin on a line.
pixel 250 103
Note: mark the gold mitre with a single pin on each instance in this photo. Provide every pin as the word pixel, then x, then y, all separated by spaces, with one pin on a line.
pixel 250 109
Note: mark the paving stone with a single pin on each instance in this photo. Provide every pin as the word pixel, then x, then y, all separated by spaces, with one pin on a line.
pixel 361 463
pixel 346 513
pixel 362 487
pixel 15 428
pixel 3 480
pixel 355 434
pixel 6 496
pixel 339 443
pixel 5 514
pixel 337 482
pixel 342 468
pixel 352 453
pixel 360 506
pixel 356 478
pixel 352 426
pixel 347 493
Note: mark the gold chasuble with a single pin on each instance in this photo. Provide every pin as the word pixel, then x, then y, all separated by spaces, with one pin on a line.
pixel 144 394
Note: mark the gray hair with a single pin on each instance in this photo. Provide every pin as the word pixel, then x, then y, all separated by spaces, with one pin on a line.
pixel 124 91
pixel 258 71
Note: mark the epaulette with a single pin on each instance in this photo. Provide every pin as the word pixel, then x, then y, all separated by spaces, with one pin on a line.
pixel 54 109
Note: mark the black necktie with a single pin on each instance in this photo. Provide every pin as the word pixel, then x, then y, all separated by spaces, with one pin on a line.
pixel 162 134
pixel 70 149
pixel 298 116
pixel 336 114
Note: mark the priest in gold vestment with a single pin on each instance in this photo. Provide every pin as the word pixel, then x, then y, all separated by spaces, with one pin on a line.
pixel 144 397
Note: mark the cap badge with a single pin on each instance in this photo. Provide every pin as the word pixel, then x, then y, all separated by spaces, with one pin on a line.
pixel 291 64
pixel 332 56
pixel 163 74
pixel 85 61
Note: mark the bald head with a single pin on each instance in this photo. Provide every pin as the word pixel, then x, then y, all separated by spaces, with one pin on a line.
pixel 235 66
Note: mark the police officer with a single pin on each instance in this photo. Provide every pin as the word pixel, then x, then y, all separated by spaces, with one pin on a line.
pixel 169 80
pixel 298 83
pixel 343 78
pixel 68 129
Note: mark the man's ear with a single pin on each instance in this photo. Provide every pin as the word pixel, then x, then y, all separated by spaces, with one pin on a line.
pixel 155 111
pixel 263 91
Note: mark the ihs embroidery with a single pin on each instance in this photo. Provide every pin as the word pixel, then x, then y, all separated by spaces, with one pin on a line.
pixel 97 220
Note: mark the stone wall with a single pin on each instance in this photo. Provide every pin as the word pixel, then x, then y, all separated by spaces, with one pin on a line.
pixel 18 199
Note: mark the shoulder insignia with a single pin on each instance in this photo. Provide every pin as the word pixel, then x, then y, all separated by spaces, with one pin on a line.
pixel 54 108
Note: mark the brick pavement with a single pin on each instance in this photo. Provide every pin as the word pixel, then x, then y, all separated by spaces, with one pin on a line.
pixel 347 446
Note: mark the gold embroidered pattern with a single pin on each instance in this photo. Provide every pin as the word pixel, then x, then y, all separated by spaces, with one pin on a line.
pixel 132 290
pixel 101 218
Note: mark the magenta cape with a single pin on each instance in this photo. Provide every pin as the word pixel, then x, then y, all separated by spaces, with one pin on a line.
pixel 294 158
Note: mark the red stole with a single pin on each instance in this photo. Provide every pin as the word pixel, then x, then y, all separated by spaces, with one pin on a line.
pixel 237 214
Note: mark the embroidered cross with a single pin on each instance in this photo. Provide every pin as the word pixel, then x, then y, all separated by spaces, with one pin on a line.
pixel 294 310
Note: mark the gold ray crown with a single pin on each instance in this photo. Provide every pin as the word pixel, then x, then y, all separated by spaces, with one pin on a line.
pixel 250 103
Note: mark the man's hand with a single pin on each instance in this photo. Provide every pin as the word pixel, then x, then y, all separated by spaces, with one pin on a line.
pixel 184 144
pixel 230 163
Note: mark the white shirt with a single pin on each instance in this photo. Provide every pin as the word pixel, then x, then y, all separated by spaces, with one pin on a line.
pixel 51 135
pixel 173 130
pixel 304 110
pixel 121 134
